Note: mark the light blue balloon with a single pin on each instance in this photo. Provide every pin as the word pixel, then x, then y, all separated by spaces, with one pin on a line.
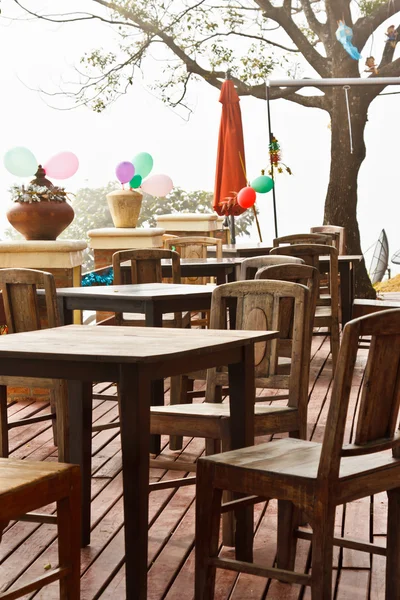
pixel 20 161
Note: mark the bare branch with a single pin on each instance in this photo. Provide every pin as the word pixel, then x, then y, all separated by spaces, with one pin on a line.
pixel 318 27
pixel 279 14
pixel 248 36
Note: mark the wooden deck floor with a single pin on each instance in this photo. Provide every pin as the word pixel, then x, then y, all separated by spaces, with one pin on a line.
pixel 27 548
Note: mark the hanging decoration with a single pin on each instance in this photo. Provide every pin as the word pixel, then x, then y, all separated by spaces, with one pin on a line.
pixel 372 67
pixel 391 35
pixel 275 156
pixel 344 35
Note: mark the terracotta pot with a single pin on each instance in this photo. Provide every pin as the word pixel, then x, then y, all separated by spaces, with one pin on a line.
pixel 40 220
pixel 125 207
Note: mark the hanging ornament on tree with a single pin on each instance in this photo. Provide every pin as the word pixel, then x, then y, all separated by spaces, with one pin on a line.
pixel 275 158
pixel 344 35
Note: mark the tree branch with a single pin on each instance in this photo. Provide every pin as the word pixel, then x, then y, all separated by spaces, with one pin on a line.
pixel 284 19
pixel 364 26
pixel 248 36
pixel 318 27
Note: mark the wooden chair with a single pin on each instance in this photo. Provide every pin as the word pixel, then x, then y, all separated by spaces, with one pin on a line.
pixel 26 486
pixel 258 306
pixel 302 238
pixel 194 247
pixel 296 273
pixel 341 231
pixel 145 267
pixel 316 478
pixel 327 312
pixel 250 266
pixel 21 307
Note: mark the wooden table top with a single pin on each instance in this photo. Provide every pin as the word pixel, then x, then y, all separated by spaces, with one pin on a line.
pixel 142 291
pixel 122 344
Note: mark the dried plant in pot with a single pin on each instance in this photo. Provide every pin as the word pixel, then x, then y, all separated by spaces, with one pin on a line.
pixel 40 211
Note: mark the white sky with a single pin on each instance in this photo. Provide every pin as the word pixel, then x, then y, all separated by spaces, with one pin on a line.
pixel 37 54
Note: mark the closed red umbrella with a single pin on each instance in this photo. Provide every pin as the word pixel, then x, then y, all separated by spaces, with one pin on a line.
pixel 230 175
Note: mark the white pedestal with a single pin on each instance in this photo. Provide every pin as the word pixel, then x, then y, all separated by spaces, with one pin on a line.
pixel 190 223
pixel 124 238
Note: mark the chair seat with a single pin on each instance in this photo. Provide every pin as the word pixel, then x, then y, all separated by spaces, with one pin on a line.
pixel 299 459
pixel 323 312
pixel 16 475
pixel 169 320
pixel 211 419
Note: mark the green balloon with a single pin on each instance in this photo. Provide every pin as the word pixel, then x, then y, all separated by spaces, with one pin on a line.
pixel 20 161
pixel 136 181
pixel 262 184
pixel 143 163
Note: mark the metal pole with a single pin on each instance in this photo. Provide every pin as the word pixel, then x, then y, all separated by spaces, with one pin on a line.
pixel 232 228
pixel 330 82
pixel 272 168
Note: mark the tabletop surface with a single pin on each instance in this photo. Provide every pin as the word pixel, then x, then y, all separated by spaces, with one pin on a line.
pixel 122 344
pixel 141 291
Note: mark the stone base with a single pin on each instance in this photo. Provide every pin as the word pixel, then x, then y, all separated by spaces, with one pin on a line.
pixel 105 242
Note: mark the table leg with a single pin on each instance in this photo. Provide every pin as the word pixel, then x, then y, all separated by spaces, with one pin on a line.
pixel 80 443
pixel 134 408
pixel 66 315
pixel 242 395
pixel 154 319
pixel 345 292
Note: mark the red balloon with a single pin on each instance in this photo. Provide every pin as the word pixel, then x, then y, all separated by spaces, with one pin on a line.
pixel 246 197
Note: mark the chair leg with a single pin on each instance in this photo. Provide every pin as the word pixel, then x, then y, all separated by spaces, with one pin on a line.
pixel 175 441
pixel 393 546
pixel 287 524
pixel 322 553
pixel 69 540
pixel 3 525
pixel 335 344
pixel 228 518
pixel 208 513
pixel 3 422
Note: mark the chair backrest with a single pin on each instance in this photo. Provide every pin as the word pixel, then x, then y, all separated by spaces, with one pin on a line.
pixel 303 238
pixel 377 418
pixel 145 265
pixel 194 246
pixel 21 306
pixel 257 306
pixel 310 253
pixel 304 274
pixel 250 266
pixel 341 231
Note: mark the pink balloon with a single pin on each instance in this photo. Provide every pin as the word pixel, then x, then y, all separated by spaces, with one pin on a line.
pixel 158 185
pixel 62 165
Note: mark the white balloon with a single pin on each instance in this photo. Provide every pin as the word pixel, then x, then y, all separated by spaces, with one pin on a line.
pixel 157 185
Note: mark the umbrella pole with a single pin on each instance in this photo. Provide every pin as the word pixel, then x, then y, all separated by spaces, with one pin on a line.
pixel 232 228
pixel 272 167
pixel 257 223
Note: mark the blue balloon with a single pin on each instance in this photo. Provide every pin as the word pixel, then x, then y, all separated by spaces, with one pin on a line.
pixel 344 35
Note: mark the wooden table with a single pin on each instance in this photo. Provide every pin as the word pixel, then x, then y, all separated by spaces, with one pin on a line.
pixel 151 299
pixel 134 357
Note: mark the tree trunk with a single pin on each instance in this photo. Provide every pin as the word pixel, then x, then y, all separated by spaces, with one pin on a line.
pixel 341 199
